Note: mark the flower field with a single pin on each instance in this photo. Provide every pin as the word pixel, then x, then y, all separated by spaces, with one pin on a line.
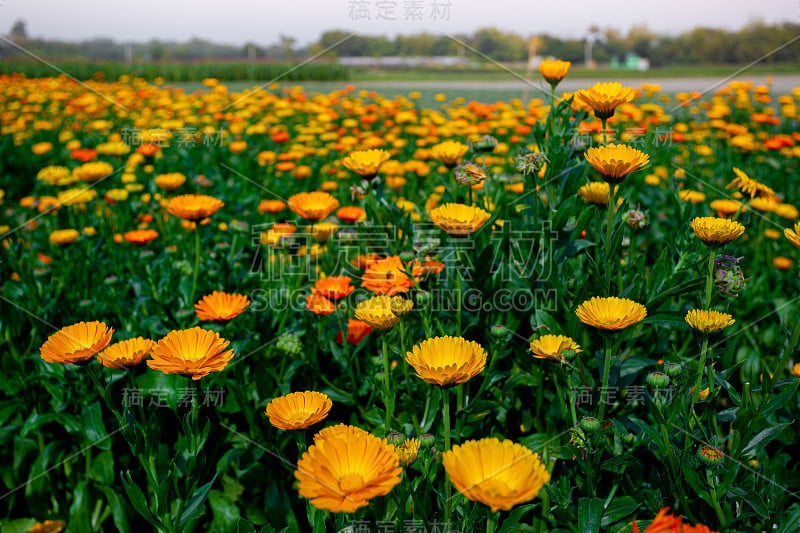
pixel 273 310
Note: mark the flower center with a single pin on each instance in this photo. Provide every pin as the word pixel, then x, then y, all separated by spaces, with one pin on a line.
pixel 351 482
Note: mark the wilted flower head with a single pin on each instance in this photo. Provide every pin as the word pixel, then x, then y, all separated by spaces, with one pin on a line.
pixel 290 344
pixel 728 275
pixel 529 163
pixel 469 173
pixel 636 219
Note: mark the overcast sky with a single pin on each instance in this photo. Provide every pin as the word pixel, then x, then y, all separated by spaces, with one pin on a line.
pixel 261 21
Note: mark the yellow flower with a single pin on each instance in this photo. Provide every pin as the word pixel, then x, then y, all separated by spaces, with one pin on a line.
pixel 500 474
pixel 715 232
pixel 604 97
pixel 343 472
pixel 76 343
pixel 113 148
pixel 221 306
pixel 408 451
pixel 48 526
pixel 459 219
pixel 708 321
pixel 793 235
pixel 366 162
pixel 554 70
pixel 314 205
pixel 727 207
pixel 95 171
pixel 553 346
pixel 748 185
pixel 298 410
pixel 54 175
pixel 194 206
pixel 449 152
pixel 76 196
pixel 62 237
pixel 193 352
pixel 615 161
pixel 693 197
pixel 610 313
pixel 170 181
pixel 595 192
pixel 377 312
pixel 447 360
pixel 126 354
pixel 41 148
pixel 338 429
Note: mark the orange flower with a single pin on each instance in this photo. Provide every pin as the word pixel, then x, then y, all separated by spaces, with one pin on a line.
pixel 313 205
pixel 351 213
pixel 221 306
pixel 171 181
pixel 356 331
pixel 140 237
pixel 554 70
pixel 194 206
pixel 271 206
pixel 125 354
pixel 386 276
pixel 76 343
pixel 193 352
pixel 666 523
pixel 319 305
pixel 298 410
pixel 334 287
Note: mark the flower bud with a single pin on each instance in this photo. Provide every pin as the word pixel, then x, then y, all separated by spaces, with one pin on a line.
pixel 673 370
pixel 636 219
pixel 422 298
pixel 396 438
pixel 590 424
pixel 407 256
pixel 710 456
pixel 487 143
pixel 289 344
pixel 427 440
pixel 657 380
pixel 500 332
pixel 529 163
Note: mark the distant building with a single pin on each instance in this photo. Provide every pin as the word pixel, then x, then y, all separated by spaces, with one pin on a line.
pixel 631 62
pixel 404 61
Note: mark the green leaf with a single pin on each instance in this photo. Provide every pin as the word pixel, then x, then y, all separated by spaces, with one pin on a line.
pixel 80 510
pixel 618 509
pixel 103 467
pixel 138 500
pixel 791 523
pixel 590 512
pixel 511 524
pixel 195 507
pixel 119 511
pixel 763 438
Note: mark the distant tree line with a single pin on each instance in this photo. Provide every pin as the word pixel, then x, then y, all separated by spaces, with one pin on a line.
pixel 698 46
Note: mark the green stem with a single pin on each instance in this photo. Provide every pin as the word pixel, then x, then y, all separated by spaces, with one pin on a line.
pixel 714 500
pixel 491 522
pixel 710 278
pixel 605 135
pixel 604 383
pixel 458 300
pixel 387 400
pixel 698 383
pixel 446 422
pixel 196 263
pixel 609 228
pixel 787 352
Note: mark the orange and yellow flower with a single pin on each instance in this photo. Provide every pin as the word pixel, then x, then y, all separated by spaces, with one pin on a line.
pixel 459 219
pixel 366 163
pixel 314 205
pixel 342 473
pixel 447 360
pixel 610 313
pixel 194 206
pixel 499 474
pixel 298 410
pixel 123 355
pixel 221 306
pixel 386 276
pixel 615 161
pixel 140 237
pixel 76 343
pixel 715 232
pixel 553 346
pixel 334 287
pixel 194 352
pixel 604 97
pixel 554 70
pixel 377 312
